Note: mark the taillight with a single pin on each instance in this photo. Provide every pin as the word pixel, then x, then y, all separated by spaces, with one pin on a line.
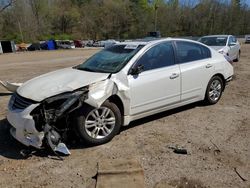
pixel 228 59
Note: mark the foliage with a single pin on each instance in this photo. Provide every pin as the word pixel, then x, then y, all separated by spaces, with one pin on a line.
pixel 32 20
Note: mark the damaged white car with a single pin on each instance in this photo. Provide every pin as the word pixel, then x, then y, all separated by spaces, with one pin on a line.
pixel 117 85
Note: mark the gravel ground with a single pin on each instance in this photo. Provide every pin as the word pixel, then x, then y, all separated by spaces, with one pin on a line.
pixel 202 130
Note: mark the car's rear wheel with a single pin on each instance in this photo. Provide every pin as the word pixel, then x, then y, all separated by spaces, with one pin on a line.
pixel 98 126
pixel 214 90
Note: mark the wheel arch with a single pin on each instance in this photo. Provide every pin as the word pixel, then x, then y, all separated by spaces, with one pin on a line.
pixel 222 77
pixel 113 98
pixel 117 100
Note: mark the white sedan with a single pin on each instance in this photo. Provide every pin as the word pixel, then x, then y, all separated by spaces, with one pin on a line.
pixel 224 44
pixel 117 85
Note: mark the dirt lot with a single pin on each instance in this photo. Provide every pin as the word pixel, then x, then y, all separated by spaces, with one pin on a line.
pixel 196 127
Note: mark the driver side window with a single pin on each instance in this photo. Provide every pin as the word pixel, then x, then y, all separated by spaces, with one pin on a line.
pixel 159 56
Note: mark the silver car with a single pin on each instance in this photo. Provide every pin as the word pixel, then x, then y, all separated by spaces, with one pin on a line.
pixel 224 44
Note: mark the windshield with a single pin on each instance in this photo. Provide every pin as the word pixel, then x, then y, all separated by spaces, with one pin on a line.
pixel 214 41
pixel 110 60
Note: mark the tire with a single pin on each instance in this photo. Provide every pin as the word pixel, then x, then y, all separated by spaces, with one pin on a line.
pixel 97 130
pixel 214 90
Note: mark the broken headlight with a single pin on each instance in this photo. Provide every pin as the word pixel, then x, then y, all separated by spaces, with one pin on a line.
pixel 57 106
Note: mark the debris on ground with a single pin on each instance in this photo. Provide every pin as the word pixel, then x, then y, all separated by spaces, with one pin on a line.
pixel 217 150
pixel 178 150
pixel 243 179
pixel 120 173
pixel 62 148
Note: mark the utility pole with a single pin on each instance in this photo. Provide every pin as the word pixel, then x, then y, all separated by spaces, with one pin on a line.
pixel 156 8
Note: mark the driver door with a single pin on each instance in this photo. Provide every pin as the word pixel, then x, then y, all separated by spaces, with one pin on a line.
pixel 158 84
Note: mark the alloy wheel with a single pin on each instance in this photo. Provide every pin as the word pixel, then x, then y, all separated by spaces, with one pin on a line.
pixel 100 122
pixel 215 90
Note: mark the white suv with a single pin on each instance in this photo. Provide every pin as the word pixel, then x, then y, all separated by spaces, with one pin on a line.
pixel 115 86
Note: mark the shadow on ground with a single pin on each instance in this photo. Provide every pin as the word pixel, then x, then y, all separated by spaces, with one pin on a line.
pixel 10 148
pixel 161 115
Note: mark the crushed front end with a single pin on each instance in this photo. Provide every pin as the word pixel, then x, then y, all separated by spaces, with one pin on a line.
pixel 36 123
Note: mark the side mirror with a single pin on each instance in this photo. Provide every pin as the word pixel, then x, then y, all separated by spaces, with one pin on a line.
pixel 137 69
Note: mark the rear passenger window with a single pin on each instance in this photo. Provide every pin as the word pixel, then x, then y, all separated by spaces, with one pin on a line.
pixel 188 51
pixel 159 56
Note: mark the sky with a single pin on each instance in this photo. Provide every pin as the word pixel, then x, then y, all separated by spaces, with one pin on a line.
pixel 248 2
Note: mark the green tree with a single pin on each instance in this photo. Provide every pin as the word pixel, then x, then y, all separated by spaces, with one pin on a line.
pixel 120 19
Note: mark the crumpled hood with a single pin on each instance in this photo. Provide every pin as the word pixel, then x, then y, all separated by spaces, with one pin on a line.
pixel 53 83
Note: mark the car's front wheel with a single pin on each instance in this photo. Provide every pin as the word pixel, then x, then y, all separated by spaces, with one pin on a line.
pixel 214 90
pixel 99 125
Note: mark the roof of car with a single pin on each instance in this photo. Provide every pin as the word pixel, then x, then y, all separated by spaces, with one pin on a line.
pixel 147 41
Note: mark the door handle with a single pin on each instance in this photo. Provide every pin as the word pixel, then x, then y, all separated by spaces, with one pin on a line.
pixel 174 75
pixel 209 66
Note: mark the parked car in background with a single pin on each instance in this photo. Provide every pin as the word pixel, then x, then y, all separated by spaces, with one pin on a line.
pixel 89 43
pixel 65 44
pixel 224 44
pixel 99 43
pixel 79 44
pixel 105 43
pixel 110 42
pixel 34 47
pixel 117 85
pixel 96 44
pixel 247 39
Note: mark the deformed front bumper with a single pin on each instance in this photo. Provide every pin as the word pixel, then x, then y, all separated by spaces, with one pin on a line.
pixel 23 127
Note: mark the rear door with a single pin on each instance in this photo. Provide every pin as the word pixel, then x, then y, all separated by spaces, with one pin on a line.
pixel 196 69
pixel 159 83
